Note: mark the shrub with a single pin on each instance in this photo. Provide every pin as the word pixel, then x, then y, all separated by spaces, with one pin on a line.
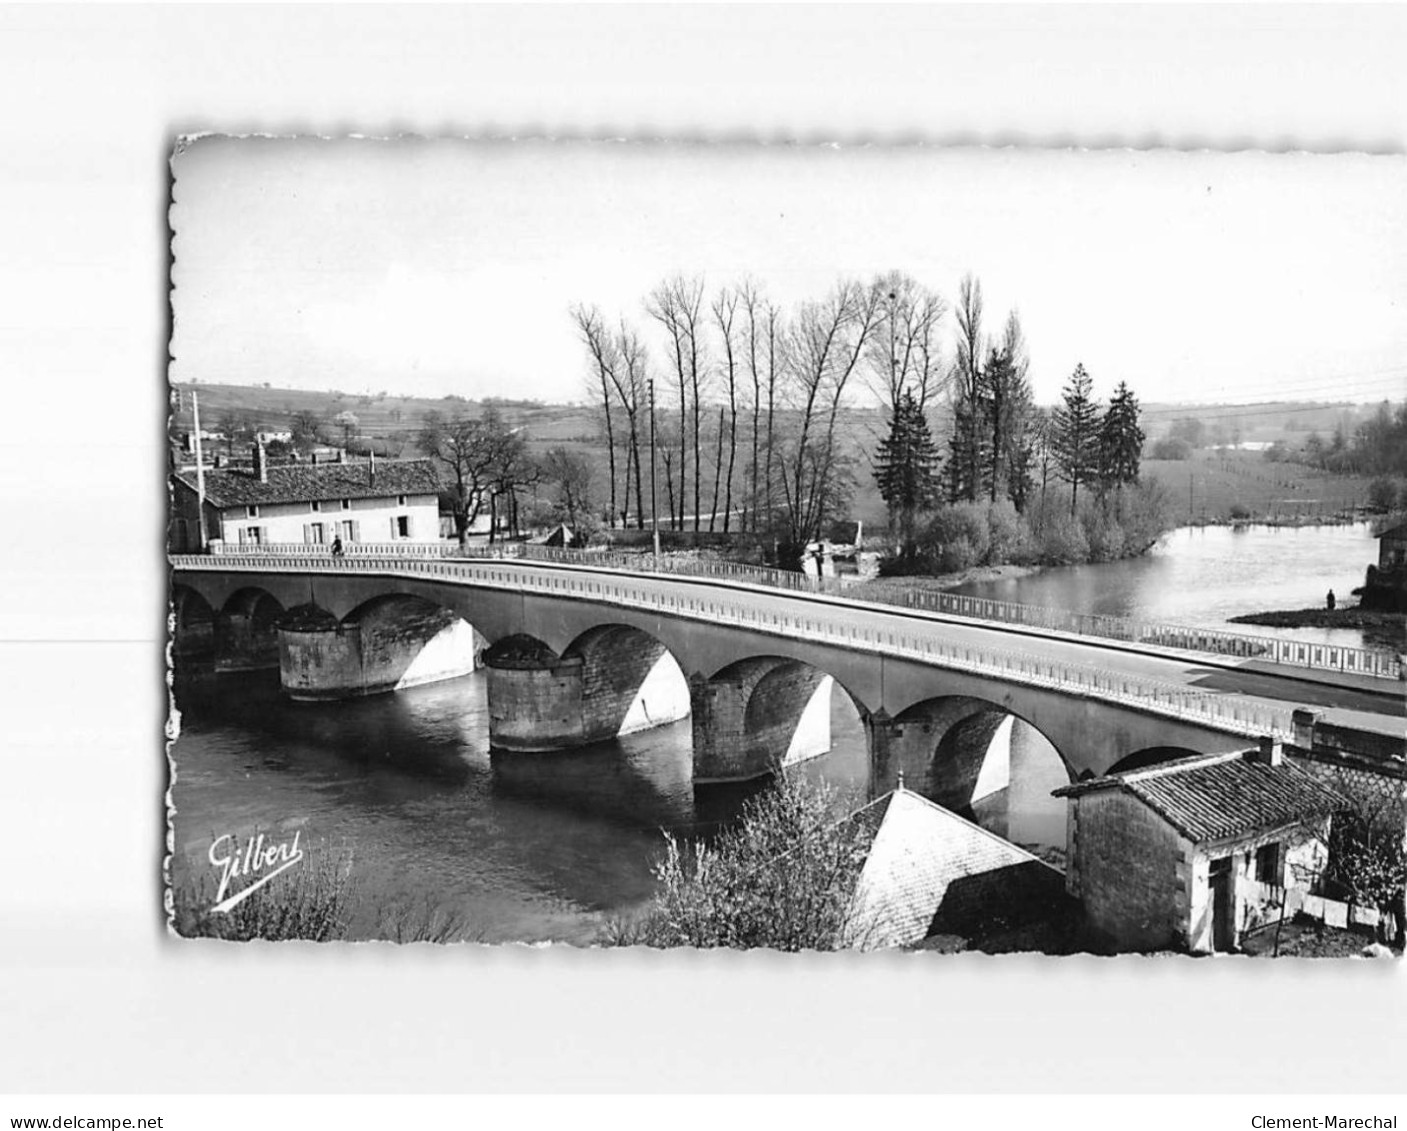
pixel 1104 537
pixel 311 901
pixel 783 877
pixel 957 537
pixel 1060 538
pixel 1239 512
pixel 1171 448
pixel 1008 537
pixel 1383 494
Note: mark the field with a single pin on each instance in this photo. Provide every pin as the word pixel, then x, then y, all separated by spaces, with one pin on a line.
pixel 1208 486
pixel 1204 488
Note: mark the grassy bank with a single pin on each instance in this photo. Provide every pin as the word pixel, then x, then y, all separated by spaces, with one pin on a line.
pixel 1325 618
pixel 1218 487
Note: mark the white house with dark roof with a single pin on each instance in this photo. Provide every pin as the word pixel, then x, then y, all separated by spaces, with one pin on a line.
pixel 1191 854
pixel 308 504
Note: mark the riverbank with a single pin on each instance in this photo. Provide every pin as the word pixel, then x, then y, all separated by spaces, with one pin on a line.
pixel 1343 518
pixel 1326 618
pixel 941 581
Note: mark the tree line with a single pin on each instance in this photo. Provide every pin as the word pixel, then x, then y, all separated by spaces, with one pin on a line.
pixel 1002 448
pixel 741 415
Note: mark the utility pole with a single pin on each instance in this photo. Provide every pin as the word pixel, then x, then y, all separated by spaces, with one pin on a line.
pixel 654 511
pixel 199 467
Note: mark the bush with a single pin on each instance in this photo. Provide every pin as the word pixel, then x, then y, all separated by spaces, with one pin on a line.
pixel 1061 540
pixel 311 901
pixel 957 537
pixel 1008 536
pixel 1239 512
pixel 1383 494
pixel 1104 537
pixel 784 877
pixel 1171 448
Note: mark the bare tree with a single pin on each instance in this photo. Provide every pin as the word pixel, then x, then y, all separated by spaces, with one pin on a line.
pixel 472 449
pixel 827 341
pixel 569 474
pixel 903 354
pixel 677 305
pixel 605 359
pixel 725 311
pixel 632 381
pixel 766 355
pixel 964 470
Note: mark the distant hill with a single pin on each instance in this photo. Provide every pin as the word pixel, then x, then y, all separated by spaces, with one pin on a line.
pixel 1212 483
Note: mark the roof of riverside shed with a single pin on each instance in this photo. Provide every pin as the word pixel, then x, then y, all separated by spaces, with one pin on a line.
pixel 1222 796
pixel 305 483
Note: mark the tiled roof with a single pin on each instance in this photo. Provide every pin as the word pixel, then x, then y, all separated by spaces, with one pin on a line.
pixel 929 871
pixel 1224 795
pixel 303 483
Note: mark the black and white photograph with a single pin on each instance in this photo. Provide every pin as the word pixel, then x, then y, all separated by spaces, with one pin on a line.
pixel 787 546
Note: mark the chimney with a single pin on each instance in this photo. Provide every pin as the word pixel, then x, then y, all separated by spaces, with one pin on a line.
pixel 315 459
pixel 261 462
pixel 1270 752
pixel 1303 722
pixel 341 455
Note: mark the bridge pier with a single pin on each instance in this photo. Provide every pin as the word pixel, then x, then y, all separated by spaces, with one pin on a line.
pixel 610 683
pixel 321 658
pixel 759 717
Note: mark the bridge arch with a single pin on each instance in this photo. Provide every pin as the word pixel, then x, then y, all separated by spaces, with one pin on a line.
pixel 193 625
pixel 762 714
pixel 983 761
pixel 1150 756
pixel 246 630
pixel 389 642
pixel 629 681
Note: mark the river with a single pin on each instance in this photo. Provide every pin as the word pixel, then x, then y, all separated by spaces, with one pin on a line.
pixel 522 847
pixel 1203 576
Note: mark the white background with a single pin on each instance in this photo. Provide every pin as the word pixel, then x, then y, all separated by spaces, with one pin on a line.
pixel 94 996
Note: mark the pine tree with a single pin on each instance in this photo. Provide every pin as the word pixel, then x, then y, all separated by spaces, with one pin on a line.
pixel 1006 406
pixel 1120 440
pixel 1076 435
pixel 906 469
pixel 967 447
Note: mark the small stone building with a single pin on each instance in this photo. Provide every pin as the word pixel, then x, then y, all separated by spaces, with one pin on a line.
pixel 933 880
pixel 1193 853
pixel 1392 547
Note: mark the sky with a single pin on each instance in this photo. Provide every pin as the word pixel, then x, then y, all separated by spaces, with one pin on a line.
pixel 428 267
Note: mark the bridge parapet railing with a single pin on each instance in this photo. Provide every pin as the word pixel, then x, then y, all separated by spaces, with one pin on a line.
pixel 915 640
pixel 1294 653
pixel 1279 650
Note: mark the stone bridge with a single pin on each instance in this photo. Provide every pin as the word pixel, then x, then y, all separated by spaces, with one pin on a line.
pixel 981 718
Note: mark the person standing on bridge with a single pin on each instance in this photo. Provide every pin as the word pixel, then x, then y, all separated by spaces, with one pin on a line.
pixel 1330 600
pixel 337 546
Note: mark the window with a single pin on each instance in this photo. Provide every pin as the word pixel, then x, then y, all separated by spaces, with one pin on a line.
pixel 251 512
pixel 400 500
pixel 346 504
pixel 402 526
pixel 317 506
pixel 349 530
pixel 314 534
pixel 1268 864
